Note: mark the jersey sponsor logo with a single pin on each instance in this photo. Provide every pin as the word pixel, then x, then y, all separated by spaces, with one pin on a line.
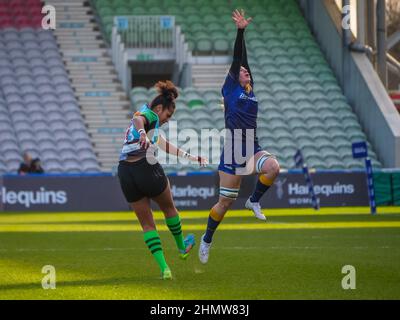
pixel 244 96
pixel 28 198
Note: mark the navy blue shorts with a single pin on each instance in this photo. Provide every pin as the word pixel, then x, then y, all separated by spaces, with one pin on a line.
pixel 229 164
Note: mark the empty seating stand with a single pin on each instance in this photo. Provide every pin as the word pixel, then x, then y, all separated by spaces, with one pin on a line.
pixel 38 110
pixel 300 102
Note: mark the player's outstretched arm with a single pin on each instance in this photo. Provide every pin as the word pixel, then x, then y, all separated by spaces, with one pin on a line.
pixel 237 55
pixel 241 24
pixel 245 63
pixel 170 148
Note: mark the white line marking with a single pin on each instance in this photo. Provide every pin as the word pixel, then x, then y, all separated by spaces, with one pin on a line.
pixel 174 249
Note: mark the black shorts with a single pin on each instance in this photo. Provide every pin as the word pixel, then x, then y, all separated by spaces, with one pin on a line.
pixel 140 179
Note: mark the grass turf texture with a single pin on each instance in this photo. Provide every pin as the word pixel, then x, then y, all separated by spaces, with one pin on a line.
pixel 297 254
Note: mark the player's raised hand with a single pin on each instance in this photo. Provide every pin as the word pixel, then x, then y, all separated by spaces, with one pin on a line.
pixel 240 20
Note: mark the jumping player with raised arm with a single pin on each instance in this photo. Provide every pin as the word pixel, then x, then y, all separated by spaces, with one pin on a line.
pixel 142 178
pixel 241 109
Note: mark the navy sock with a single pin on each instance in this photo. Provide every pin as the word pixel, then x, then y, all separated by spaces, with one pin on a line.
pixel 211 227
pixel 259 191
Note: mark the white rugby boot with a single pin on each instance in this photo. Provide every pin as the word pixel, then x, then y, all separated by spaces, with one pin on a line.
pixel 256 208
pixel 204 250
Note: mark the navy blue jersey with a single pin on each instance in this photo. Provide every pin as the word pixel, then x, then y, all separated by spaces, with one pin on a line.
pixel 241 108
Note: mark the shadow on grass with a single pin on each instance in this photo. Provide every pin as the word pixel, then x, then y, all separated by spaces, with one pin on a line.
pixel 97 222
pixel 142 280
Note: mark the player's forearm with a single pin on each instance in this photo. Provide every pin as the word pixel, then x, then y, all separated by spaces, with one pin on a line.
pixel 237 54
pixel 173 149
pixel 138 122
pixel 170 148
pixel 245 63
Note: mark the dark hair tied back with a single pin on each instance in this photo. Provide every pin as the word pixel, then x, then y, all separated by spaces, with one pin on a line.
pixel 167 93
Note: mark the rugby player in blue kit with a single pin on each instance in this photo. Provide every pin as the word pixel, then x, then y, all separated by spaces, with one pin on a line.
pixel 242 155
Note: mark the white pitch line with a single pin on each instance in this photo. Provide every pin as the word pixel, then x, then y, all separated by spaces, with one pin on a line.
pixel 218 248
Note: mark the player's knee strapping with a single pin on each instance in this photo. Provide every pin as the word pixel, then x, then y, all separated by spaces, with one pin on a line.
pixel 260 162
pixel 229 193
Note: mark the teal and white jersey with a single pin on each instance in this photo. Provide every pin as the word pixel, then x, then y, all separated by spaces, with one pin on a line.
pixel 131 145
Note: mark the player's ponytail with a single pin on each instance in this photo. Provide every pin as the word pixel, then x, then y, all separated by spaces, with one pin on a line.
pixel 167 93
pixel 248 88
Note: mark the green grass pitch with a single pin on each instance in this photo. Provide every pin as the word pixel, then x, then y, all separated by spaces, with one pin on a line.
pixel 297 254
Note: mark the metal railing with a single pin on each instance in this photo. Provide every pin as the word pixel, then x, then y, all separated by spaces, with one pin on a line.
pixel 146 32
pixel 393 64
pixel 146 38
pixel 120 59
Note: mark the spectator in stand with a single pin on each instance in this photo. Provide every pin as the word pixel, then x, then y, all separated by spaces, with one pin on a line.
pixel 30 165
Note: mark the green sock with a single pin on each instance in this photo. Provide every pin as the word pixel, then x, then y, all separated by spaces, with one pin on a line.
pixel 153 242
pixel 174 225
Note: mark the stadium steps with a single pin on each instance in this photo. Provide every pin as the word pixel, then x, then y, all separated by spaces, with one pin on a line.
pixel 110 115
pixel 102 100
pixel 208 76
pixel 90 86
pixel 91 106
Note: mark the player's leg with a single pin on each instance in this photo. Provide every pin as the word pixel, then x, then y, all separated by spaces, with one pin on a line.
pixel 132 178
pixel 150 234
pixel 268 168
pixel 228 193
pixel 173 221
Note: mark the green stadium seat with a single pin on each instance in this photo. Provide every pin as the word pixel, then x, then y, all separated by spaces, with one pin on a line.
pixel 255 43
pixel 297 123
pixel 139 96
pixel 139 90
pixel 152 11
pixel 209 95
pixel 194 18
pixel 121 11
pixel 119 3
pixel 134 3
pixel 196 103
pixel 301 133
pixel 153 3
pixel 102 3
pixel 216 31
pixel 198 27
pixel 190 10
pixel 201 35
